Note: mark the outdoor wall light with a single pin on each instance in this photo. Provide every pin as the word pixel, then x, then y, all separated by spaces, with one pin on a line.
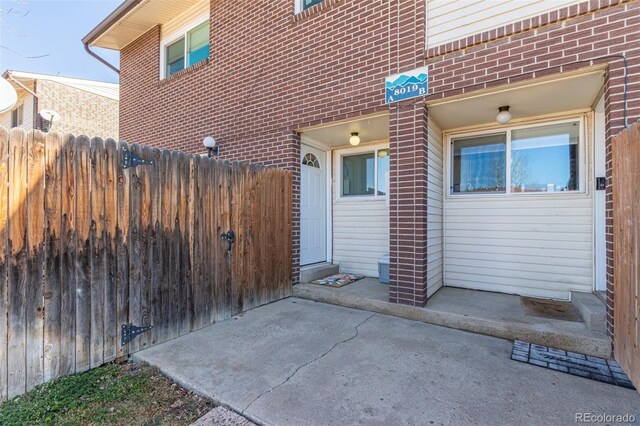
pixel 210 144
pixel 354 139
pixel 504 116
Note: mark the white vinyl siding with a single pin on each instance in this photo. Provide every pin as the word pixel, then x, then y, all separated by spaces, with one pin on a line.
pixel 5 119
pixel 538 245
pixel 27 114
pixel 450 20
pixel 360 228
pixel 434 210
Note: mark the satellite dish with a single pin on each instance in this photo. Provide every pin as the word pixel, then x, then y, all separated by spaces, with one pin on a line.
pixel 48 118
pixel 8 95
pixel 50 115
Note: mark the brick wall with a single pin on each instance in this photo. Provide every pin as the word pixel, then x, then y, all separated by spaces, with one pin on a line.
pixel 270 72
pixel 408 134
pixel 81 112
pixel 564 40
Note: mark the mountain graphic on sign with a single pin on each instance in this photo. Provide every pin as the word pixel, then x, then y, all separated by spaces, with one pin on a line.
pixel 406 79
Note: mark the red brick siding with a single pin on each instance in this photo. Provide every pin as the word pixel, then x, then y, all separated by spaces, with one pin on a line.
pixel 408 134
pixel 271 72
pixel 556 47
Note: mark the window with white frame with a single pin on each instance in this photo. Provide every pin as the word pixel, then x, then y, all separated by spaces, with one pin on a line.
pixel 531 159
pixel 17 116
pixel 188 49
pixel 302 5
pixel 365 174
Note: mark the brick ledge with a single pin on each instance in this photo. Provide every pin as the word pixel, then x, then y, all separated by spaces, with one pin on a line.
pixel 185 71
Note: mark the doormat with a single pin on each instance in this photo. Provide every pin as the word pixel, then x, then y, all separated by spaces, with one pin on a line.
pixel 338 280
pixel 589 367
pixel 552 309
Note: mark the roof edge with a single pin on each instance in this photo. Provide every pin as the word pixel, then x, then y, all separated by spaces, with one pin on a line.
pixel 56 77
pixel 115 16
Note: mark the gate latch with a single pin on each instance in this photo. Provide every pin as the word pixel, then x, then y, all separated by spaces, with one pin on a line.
pixel 130 331
pixel 229 237
pixel 129 159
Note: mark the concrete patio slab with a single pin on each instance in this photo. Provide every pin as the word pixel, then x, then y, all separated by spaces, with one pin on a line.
pixel 298 362
pixel 492 314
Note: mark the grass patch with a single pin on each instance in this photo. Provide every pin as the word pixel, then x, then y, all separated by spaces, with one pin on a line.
pixel 131 394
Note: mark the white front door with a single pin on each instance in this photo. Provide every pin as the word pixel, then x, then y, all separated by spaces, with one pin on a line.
pixel 313 206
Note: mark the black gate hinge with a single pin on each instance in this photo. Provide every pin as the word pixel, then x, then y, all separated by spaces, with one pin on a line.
pixel 130 331
pixel 129 159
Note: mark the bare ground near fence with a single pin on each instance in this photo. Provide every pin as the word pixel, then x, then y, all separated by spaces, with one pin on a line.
pixel 87 246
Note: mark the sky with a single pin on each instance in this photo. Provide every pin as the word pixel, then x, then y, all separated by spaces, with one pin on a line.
pixel 55 28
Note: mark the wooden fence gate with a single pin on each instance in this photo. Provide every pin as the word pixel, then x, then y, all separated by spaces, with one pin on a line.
pixel 87 246
pixel 626 247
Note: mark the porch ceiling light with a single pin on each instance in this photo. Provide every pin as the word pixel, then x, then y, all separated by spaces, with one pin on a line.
pixel 504 116
pixel 354 139
pixel 210 144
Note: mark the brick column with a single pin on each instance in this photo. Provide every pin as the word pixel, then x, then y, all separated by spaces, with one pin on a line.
pixel 408 132
pixel 288 157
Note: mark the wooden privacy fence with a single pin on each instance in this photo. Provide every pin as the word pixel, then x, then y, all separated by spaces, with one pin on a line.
pixel 626 247
pixel 87 246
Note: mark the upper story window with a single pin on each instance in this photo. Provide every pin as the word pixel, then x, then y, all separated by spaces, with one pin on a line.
pixel 17 116
pixel 302 5
pixel 189 48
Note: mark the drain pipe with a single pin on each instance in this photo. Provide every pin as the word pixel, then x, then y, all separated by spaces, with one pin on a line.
pixel 36 99
pixel 95 55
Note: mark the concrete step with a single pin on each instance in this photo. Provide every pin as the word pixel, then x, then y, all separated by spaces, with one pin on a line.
pixel 317 271
pixel 584 341
pixel 592 310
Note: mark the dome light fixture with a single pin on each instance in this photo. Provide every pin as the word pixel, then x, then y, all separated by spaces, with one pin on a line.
pixel 210 143
pixel 354 139
pixel 504 116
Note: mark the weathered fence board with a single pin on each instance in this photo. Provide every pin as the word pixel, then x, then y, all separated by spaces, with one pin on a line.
pixel 123 241
pixel 112 164
pixel 97 253
pixel 83 254
pixel 17 274
pixel 87 246
pixel 626 246
pixel 4 254
pixel 68 248
pixel 52 277
pixel 35 259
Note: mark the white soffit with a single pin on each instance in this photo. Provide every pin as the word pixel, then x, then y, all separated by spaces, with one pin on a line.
pixel 141 19
pixel 370 129
pixel 536 97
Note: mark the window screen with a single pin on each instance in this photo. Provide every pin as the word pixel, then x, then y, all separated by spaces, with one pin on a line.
pixel 174 57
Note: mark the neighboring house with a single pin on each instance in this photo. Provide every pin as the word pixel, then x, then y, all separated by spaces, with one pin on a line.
pixel 456 198
pixel 85 107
